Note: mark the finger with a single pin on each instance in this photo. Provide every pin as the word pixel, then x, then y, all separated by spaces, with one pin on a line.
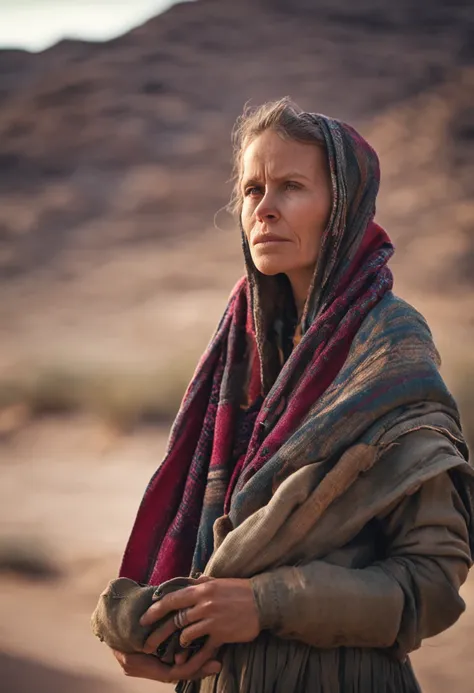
pixel 194 663
pixel 181 658
pixel 119 656
pixel 182 599
pixel 194 631
pixel 159 636
pixel 144 667
pixel 126 659
pixel 211 668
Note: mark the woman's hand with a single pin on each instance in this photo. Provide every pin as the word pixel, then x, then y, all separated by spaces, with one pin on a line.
pixel 224 610
pixel 145 666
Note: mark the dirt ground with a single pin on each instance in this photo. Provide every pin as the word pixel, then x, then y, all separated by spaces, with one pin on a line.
pixel 72 489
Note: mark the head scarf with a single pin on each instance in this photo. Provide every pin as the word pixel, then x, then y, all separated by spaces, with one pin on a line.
pixel 364 358
pixel 349 239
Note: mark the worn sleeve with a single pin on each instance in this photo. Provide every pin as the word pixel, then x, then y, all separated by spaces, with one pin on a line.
pixel 412 594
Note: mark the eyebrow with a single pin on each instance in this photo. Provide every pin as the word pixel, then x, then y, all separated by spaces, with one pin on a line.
pixel 285 176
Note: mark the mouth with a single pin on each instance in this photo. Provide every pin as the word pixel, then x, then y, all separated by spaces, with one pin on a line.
pixel 268 238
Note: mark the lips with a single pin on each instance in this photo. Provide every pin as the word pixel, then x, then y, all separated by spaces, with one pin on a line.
pixel 268 238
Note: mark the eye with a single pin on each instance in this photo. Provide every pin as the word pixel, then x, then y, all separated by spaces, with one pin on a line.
pixel 253 190
pixel 291 185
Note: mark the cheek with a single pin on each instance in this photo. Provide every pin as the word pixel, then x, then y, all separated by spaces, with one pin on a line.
pixel 246 219
pixel 309 224
pixel 309 220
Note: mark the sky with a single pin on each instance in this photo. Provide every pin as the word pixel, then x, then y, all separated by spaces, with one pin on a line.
pixel 37 24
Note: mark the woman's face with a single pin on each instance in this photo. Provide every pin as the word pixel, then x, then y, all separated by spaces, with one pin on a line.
pixel 287 199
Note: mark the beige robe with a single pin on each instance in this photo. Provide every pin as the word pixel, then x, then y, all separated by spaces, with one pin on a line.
pixel 344 620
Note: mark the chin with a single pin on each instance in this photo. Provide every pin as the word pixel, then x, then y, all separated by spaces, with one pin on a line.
pixel 270 266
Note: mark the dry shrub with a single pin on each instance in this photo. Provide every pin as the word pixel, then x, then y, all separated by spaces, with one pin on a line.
pixel 120 396
pixel 28 557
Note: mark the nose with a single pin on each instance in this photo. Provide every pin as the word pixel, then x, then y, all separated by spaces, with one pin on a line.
pixel 267 209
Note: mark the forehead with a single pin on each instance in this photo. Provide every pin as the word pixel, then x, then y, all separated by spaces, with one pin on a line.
pixel 272 155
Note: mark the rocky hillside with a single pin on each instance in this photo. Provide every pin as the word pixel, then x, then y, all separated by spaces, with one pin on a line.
pixel 115 157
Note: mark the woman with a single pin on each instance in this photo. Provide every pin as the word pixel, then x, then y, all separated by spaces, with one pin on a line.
pixel 316 473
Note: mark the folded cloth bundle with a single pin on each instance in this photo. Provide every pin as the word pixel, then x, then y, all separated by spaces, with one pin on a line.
pixel 116 619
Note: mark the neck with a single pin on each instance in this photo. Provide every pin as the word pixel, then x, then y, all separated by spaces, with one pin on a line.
pixel 300 281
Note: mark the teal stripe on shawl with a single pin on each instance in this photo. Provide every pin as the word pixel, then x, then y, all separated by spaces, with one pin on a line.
pixel 392 367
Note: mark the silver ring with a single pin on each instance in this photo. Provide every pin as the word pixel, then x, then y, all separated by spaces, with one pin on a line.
pixel 181 619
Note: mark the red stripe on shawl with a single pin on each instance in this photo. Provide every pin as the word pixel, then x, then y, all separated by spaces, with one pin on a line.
pixel 254 388
pixel 162 496
pixel 174 556
pixel 374 239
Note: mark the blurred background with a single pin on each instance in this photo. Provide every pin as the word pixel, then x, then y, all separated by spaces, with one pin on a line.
pixel 116 259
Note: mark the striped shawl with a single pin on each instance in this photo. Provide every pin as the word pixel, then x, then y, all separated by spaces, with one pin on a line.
pixel 365 371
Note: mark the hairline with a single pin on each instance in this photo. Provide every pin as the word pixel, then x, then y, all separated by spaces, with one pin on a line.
pixel 268 116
